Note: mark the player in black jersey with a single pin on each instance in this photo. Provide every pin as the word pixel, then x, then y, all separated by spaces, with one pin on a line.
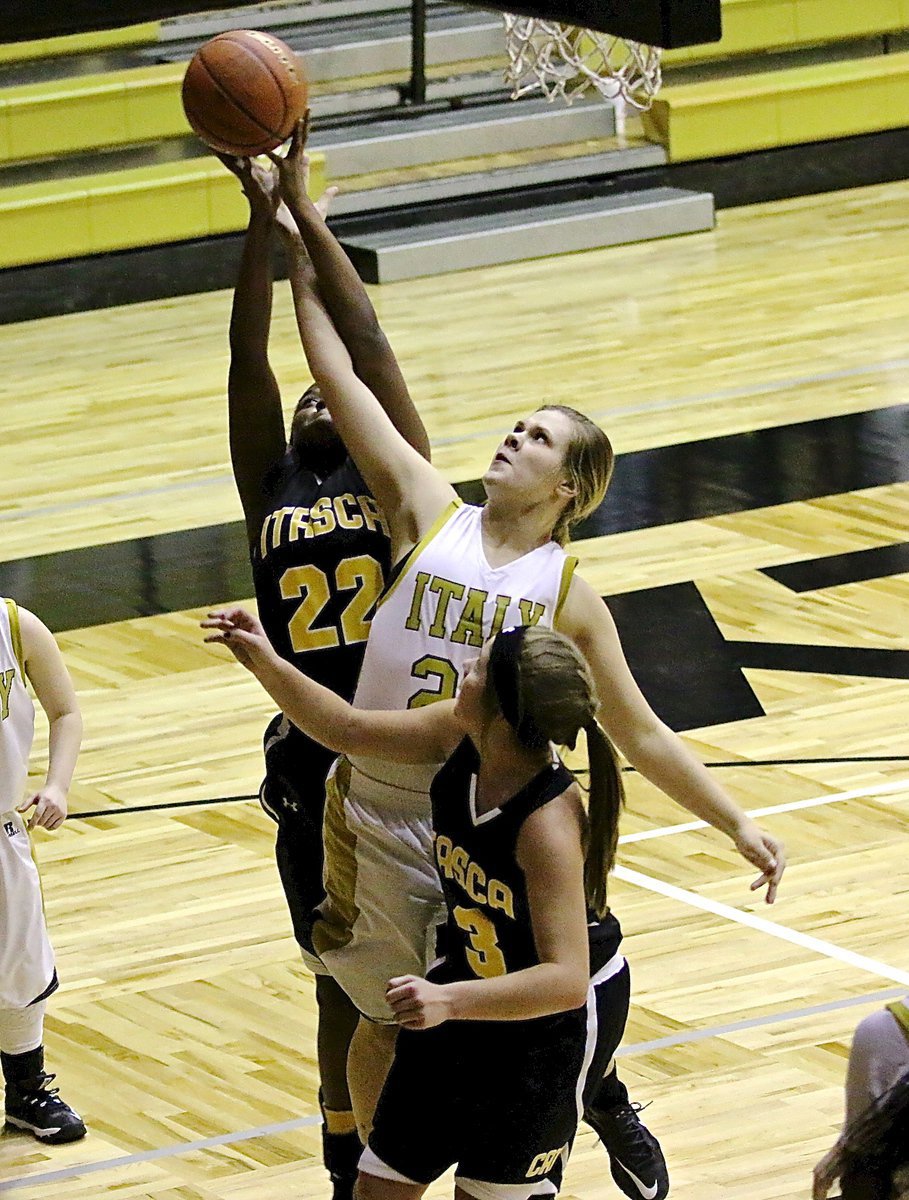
pixel 530 955
pixel 320 555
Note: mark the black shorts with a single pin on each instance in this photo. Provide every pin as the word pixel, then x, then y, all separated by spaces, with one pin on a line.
pixel 293 795
pixel 501 1099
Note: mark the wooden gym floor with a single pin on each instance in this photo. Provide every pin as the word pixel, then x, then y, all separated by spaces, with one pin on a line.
pixel 754 380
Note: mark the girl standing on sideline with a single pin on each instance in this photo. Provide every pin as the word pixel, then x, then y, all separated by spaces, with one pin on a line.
pixel 529 1000
pixel 27 974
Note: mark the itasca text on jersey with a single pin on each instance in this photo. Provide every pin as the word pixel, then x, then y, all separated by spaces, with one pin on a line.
pixel 347 511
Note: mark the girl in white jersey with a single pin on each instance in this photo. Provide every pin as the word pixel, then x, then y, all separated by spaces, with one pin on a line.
pixel 28 652
pixel 549 472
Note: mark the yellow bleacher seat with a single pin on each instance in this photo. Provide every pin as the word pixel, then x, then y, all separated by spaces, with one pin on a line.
pixel 117 210
pixel 781 108
pixel 96 42
pixel 91 112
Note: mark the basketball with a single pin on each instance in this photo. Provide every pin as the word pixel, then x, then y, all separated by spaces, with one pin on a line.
pixel 244 92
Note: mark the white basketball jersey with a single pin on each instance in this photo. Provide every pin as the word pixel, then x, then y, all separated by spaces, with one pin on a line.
pixel 440 609
pixel 17 712
pixel 26 958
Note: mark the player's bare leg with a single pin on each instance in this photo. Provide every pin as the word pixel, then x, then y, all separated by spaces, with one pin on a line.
pixel 370 1187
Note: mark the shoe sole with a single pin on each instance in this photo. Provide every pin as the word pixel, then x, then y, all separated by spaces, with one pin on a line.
pixel 58 1137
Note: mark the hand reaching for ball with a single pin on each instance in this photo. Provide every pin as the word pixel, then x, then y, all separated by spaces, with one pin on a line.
pixel 293 171
pixel 262 184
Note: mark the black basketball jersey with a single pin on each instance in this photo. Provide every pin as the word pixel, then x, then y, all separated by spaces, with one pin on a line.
pixel 488 930
pixel 319 566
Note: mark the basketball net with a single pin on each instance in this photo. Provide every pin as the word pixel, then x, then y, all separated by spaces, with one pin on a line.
pixel 563 60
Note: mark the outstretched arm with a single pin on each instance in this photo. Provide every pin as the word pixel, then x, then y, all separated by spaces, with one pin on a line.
pixel 257 435
pixel 412 735
pixel 651 747
pixel 409 490
pixel 49 677
pixel 350 308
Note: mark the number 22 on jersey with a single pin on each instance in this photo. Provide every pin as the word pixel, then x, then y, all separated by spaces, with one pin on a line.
pixel 361 575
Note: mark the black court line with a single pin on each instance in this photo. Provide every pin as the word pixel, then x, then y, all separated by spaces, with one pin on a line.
pixel 814 574
pixel 144 808
pixel 713 477
pixel 758 762
pixel 867 661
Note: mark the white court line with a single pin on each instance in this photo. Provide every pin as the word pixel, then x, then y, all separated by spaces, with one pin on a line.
pixel 881 789
pixel 741 917
pixel 677 1038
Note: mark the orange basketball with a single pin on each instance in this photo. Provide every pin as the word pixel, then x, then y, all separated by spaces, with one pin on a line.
pixel 243 92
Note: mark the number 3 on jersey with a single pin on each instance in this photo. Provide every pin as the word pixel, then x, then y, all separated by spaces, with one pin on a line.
pixel 484 956
pixel 361 575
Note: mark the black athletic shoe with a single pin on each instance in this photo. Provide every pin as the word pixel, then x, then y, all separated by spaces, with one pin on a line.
pixel 39 1110
pixel 635 1158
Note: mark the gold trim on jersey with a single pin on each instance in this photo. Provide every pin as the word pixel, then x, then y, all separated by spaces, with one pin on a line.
pixel 333 928
pixel 568 568
pixel 12 609
pixel 900 1013
pixel 413 554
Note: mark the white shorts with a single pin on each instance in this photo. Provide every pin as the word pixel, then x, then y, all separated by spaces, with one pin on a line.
pixel 383 898
pixel 26 957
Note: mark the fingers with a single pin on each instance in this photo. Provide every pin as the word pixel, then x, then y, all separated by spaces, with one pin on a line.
pixel 401 989
pixel 771 887
pixel 768 855
pixel 403 999
pixel 48 813
pixel 229 616
pixel 323 204
pixel 217 620
pixel 230 161
pixel 779 853
pixel 774 873
pixel 300 134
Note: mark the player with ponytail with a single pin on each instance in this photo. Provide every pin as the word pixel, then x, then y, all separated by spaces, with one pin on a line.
pixel 530 994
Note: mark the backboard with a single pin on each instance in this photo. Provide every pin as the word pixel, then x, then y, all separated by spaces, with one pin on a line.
pixel 664 23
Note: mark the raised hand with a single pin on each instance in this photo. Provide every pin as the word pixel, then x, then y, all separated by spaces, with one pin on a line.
pixel 293 167
pixel 260 184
